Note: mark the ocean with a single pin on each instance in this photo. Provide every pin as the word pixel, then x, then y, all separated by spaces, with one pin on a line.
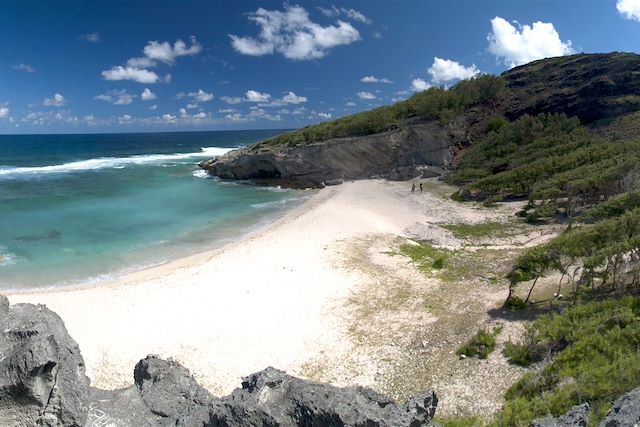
pixel 78 209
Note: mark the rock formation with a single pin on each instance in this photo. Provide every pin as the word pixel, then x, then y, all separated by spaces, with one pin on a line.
pixel 596 88
pixel 43 383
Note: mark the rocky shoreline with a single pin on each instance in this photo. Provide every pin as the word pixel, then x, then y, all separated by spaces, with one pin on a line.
pixel 43 383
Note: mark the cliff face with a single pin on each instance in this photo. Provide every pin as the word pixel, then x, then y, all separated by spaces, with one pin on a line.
pixel 596 88
pixel 419 148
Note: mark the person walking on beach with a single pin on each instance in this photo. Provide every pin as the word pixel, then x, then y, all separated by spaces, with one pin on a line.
pixel 421 187
pixel 413 187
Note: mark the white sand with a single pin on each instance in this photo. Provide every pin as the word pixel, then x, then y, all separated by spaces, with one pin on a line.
pixel 224 314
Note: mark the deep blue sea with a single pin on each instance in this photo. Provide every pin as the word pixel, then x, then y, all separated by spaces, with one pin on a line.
pixel 84 208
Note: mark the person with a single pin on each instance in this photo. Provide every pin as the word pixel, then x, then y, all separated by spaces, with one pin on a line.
pixel 413 187
pixel 421 187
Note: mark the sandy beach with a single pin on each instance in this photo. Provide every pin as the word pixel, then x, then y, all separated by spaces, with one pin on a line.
pixel 224 314
pixel 322 294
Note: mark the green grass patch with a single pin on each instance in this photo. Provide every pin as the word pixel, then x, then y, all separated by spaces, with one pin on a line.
pixel 480 230
pixel 426 257
pixel 480 345
pixel 596 348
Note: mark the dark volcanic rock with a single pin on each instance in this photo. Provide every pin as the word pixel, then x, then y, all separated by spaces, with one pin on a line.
pixel 625 412
pixel 588 86
pixel 578 416
pixel 42 374
pixel 287 401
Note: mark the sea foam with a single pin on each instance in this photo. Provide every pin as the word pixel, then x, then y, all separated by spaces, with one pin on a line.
pixel 109 162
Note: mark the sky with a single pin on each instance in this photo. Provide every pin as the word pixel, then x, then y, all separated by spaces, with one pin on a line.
pixel 137 66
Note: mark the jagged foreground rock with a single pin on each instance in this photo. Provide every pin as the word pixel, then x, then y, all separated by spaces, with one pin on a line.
pixel 43 383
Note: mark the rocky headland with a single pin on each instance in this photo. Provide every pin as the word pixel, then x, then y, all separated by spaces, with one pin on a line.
pixel 596 88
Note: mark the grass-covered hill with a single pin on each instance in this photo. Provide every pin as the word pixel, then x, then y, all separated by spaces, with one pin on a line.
pixel 595 88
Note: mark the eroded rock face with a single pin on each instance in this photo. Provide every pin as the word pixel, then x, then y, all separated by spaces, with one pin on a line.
pixel 420 149
pixel 625 412
pixel 42 373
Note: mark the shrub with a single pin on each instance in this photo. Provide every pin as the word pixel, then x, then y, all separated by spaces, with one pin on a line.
pixel 481 345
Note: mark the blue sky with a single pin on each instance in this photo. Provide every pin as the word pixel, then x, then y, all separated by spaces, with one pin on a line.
pixel 116 66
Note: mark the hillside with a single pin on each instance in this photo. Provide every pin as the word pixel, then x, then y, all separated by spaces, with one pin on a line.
pixel 427 131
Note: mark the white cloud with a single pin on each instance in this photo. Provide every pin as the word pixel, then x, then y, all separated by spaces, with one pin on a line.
pixel 168 118
pixel 366 95
pixel 292 98
pixel 350 104
pixel 231 100
pixel 154 52
pixel 164 52
pixel 377 35
pixel 125 119
pixel 4 112
pixel 333 11
pixel 24 67
pixel 130 73
pixel 373 79
pixel 520 44
pixel 153 107
pixel 255 96
pixel 91 37
pixel 227 110
pixel 200 96
pixel 57 101
pixel 116 97
pixel 629 9
pixel 325 116
pixel 418 85
pixel 445 70
pixel 292 34
pixel 147 95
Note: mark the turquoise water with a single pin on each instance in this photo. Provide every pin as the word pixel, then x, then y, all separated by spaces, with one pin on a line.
pixel 85 208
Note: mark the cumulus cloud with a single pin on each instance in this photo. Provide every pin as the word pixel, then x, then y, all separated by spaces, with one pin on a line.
pixel 4 112
pixel 153 107
pixel 292 98
pixel 365 95
pixel 139 75
pixel 200 96
pixel 91 37
pixel 325 116
pixel 445 70
pixel 147 95
pixel 373 79
pixel 24 67
pixel 231 100
pixel 418 85
pixel 350 104
pixel 154 52
pixel 255 96
pixel 353 14
pixel 629 9
pixel 56 101
pixel 116 97
pixel 518 44
pixel 292 34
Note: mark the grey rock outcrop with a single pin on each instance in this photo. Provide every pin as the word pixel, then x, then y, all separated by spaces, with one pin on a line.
pixel 422 148
pixel 43 383
pixel 578 416
pixel 625 411
pixel 42 373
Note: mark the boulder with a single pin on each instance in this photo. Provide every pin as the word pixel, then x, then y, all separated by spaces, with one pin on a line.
pixel 578 416
pixel 42 373
pixel 625 411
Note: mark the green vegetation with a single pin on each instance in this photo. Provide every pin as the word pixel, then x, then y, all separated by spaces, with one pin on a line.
pixel 596 358
pixel 426 256
pixel 434 103
pixel 480 345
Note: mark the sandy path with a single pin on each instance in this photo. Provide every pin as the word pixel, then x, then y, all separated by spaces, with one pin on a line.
pixel 225 314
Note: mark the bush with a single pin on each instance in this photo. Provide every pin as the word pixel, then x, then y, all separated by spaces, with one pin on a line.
pixel 481 345
pixel 518 354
